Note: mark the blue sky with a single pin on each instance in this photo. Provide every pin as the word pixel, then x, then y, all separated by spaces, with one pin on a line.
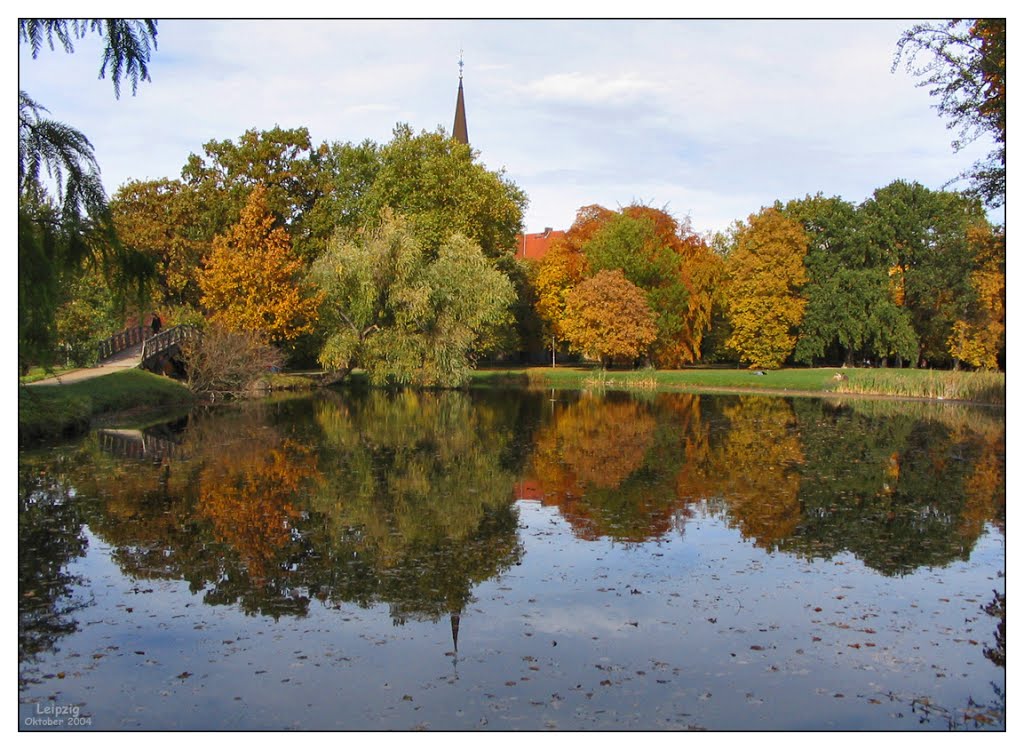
pixel 713 119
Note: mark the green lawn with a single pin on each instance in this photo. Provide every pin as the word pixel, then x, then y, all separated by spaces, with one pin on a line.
pixel 907 383
pixel 47 411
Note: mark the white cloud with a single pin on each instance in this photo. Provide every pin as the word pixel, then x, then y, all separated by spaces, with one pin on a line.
pixel 565 89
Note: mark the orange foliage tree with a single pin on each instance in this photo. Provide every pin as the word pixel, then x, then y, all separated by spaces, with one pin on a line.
pixel 252 279
pixel 766 272
pixel 673 266
pixel 564 266
pixel 607 317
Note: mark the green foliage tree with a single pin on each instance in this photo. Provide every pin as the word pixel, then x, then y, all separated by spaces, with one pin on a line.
pixel 407 312
pixel 966 68
pixel 921 236
pixel 442 189
pixel 160 218
pixel 90 313
pixel 851 312
pixel 283 161
pixel 346 173
pixel 59 237
pixel 766 273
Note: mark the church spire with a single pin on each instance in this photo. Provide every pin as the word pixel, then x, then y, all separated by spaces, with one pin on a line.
pixel 459 132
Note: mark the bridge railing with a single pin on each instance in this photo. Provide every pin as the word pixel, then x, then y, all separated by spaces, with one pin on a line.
pixel 121 341
pixel 166 339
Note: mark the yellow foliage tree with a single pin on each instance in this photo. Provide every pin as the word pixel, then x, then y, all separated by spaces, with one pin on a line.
pixel 608 317
pixel 561 268
pixel 251 281
pixel 980 335
pixel 765 274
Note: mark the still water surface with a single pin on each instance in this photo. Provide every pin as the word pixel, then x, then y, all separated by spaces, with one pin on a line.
pixel 519 560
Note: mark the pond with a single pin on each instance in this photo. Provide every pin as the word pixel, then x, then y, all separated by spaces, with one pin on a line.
pixel 525 560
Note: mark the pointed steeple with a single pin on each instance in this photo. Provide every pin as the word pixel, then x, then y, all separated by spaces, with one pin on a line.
pixel 459 132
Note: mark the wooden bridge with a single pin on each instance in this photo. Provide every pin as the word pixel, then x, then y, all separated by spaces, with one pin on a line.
pixel 138 444
pixel 147 351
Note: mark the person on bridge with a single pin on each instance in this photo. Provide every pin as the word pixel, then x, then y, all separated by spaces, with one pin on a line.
pixel 156 324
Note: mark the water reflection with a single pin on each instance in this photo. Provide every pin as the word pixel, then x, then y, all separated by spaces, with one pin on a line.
pixel 50 536
pixel 898 487
pixel 407 499
pixel 609 464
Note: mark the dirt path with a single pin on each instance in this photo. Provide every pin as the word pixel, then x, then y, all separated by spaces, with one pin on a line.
pixel 125 360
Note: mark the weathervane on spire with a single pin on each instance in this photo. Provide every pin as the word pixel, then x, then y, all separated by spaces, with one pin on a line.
pixel 459 132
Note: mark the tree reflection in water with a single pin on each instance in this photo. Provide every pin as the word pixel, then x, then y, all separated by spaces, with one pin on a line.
pixel 50 536
pixel 898 486
pixel 406 499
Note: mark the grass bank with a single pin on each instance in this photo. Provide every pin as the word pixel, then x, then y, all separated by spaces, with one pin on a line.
pixel 52 411
pixel 41 373
pixel 981 387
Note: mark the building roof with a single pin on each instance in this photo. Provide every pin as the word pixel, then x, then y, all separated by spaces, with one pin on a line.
pixel 535 246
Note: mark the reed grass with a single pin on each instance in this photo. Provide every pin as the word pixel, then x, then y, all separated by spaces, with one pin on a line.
pixel 941 385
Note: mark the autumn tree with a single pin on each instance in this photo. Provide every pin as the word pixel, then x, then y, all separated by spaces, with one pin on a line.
pixel 648 259
pixel 659 254
pixel 557 273
pixel 252 280
pixel 965 67
pixel 979 335
pixel 608 317
pixel 404 310
pixel 766 273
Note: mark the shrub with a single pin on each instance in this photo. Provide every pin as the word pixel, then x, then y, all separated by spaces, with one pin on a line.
pixel 224 363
